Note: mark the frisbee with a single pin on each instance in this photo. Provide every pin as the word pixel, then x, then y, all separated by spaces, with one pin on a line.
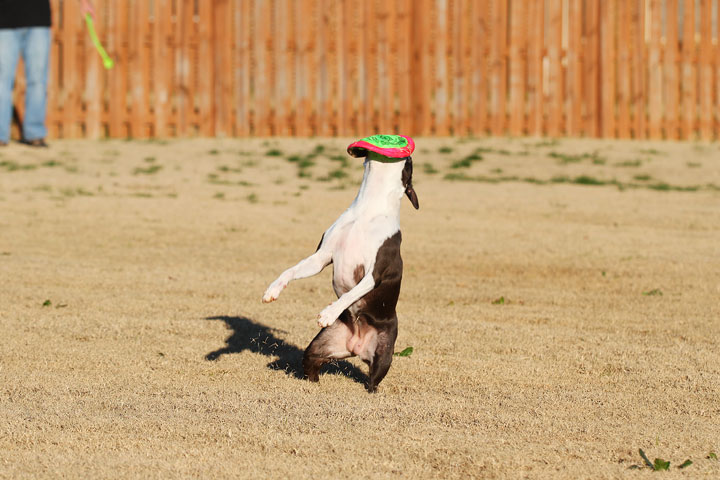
pixel 389 148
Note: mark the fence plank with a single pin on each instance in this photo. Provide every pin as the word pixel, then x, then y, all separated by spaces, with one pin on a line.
pixel 688 70
pixel 670 71
pixel 517 67
pixel 705 70
pixel 421 67
pixel 655 83
pixel 555 80
pixel 54 78
pixel 639 70
pixel 480 49
pixel 575 71
pixel 607 42
pixel 70 69
pixel 93 88
pixel 405 67
pixel 208 52
pixel 624 98
pixel 162 67
pixel 716 69
pixel 498 78
pixel 536 21
pixel 592 68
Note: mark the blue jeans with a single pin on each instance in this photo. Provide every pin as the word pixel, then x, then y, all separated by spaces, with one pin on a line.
pixel 33 43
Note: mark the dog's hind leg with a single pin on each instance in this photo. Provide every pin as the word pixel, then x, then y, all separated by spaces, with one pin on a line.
pixel 330 343
pixel 382 358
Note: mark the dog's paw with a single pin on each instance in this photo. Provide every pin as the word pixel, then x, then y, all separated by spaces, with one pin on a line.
pixel 327 317
pixel 273 291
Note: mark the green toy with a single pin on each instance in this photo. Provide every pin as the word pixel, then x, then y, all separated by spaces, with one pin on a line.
pixel 107 61
pixel 383 148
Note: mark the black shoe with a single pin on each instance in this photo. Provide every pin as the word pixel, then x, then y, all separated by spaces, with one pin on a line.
pixel 37 142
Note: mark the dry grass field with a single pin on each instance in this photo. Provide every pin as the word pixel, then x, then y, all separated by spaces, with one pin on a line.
pixel 562 298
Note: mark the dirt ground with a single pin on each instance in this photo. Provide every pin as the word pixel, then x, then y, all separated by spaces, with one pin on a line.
pixel 561 297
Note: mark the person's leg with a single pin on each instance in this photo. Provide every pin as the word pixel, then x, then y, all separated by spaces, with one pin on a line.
pixel 36 53
pixel 9 51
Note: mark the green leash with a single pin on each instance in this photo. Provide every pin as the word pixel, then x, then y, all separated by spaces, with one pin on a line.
pixel 107 61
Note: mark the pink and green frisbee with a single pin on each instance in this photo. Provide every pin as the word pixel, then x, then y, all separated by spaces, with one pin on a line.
pixel 383 148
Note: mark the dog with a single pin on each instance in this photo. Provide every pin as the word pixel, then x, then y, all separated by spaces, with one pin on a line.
pixel 363 245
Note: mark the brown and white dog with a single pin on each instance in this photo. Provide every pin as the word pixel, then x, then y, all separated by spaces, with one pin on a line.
pixel 364 247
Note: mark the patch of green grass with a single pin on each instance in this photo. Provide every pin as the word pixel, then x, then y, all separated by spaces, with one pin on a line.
pixel 463 163
pixel 499 301
pixel 11 166
pixel 306 162
pixel 553 142
pixel 428 169
pixel 219 195
pixel 655 292
pixel 149 159
pixel 467 161
pixel 642 178
pixel 651 151
pixel 227 169
pixel 496 171
pixel 343 159
pixel 566 158
pixel 152 169
pixel 587 180
pixel 52 163
pixel 664 187
pixel 405 353
pixel 464 177
pixel 47 303
pixel 712 456
pixel 629 163
pixel 659 464
pixel 694 164
pixel 214 151
pixel 579 180
pixel 338 173
pixel 215 179
pixel 252 198
pixel 274 152
pixel 334 174
pixel 75 192
pixel 445 149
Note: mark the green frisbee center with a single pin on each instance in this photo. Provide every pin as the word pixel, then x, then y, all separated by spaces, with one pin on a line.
pixel 387 141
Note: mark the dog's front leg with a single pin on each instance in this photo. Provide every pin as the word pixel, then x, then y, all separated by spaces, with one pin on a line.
pixel 308 267
pixel 333 311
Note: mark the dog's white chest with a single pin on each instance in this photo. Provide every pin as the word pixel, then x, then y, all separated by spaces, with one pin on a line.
pixel 356 249
pixel 350 255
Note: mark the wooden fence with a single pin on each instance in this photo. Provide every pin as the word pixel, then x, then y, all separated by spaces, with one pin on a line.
pixel 599 68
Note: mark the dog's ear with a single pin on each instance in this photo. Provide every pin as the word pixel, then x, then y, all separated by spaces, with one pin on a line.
pixel 407 183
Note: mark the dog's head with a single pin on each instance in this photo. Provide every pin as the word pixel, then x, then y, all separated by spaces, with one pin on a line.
pixel 407 183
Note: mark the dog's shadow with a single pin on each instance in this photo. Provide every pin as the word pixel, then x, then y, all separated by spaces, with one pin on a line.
pixel 258 338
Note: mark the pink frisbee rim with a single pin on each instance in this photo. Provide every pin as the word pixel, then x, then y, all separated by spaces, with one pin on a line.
pixel 406 151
